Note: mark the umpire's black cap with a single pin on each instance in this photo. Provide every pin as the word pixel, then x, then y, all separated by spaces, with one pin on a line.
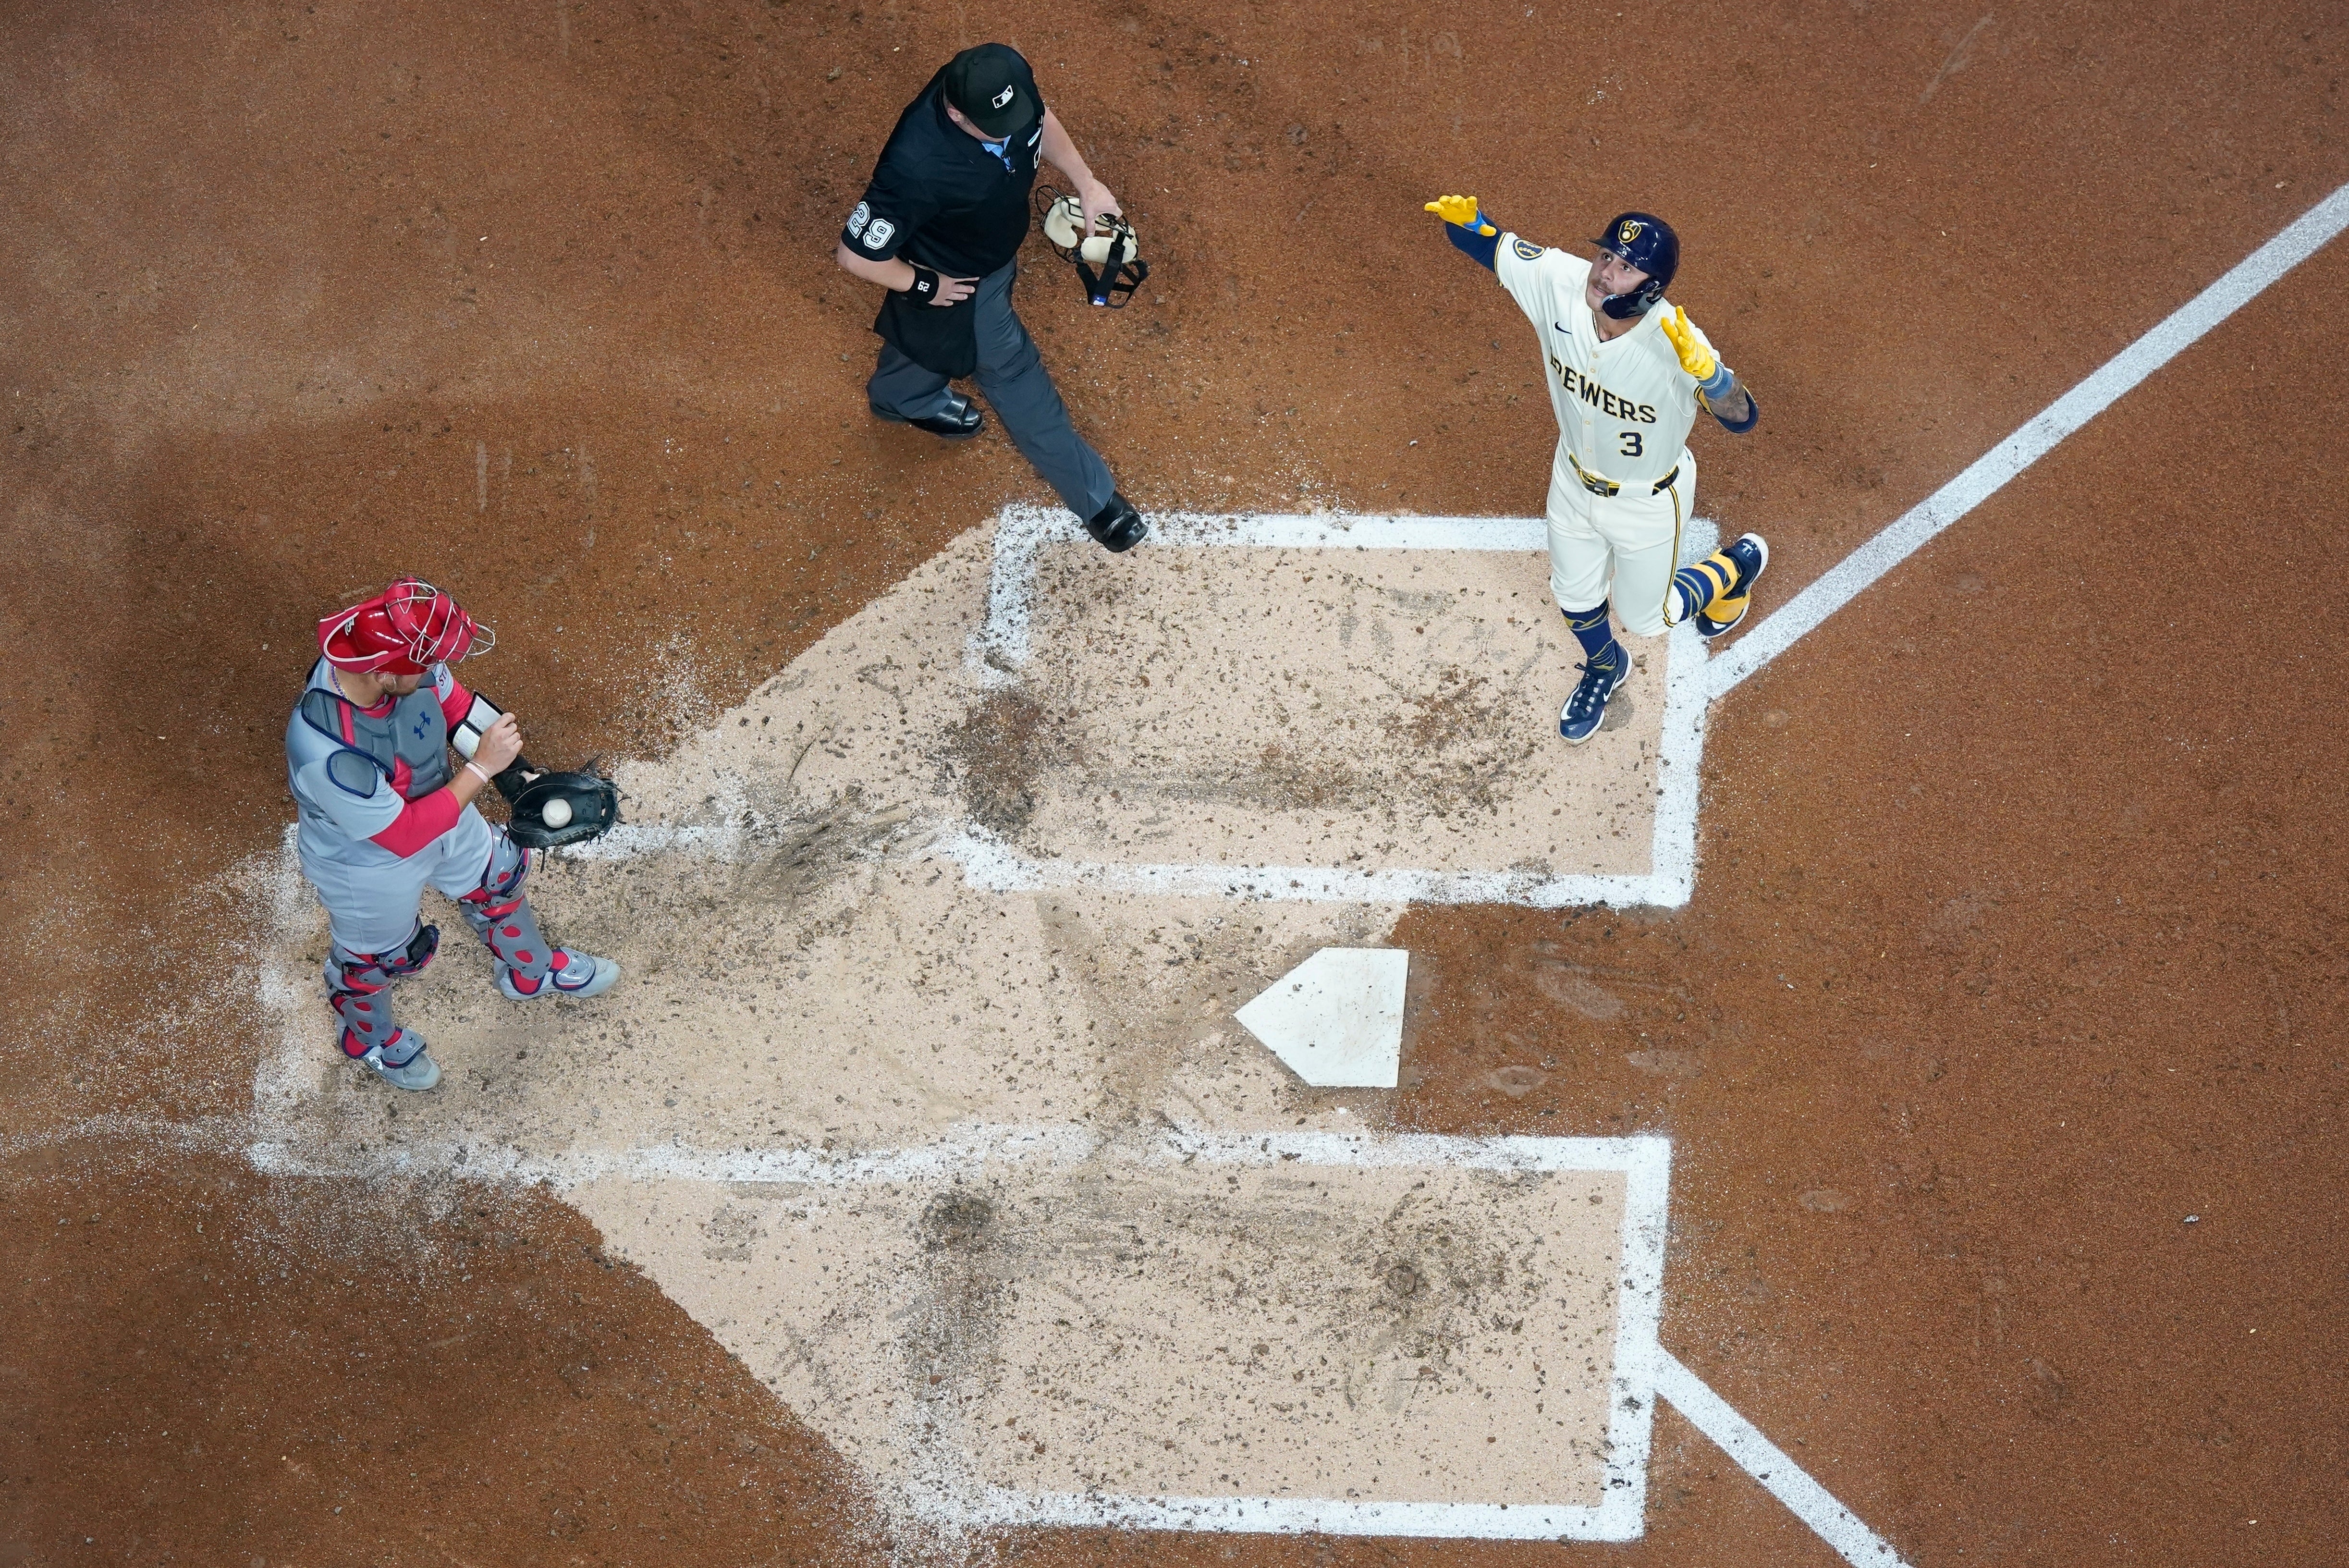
pixel 983 82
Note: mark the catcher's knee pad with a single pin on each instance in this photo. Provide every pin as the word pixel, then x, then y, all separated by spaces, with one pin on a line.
pixel 356 986
pixel 508 869
pixel 501 915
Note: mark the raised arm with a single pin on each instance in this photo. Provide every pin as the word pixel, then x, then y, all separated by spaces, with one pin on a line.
pixel 1725 396
pixel 1466 228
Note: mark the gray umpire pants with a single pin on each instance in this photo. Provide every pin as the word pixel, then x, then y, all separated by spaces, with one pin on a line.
pixel 1013 378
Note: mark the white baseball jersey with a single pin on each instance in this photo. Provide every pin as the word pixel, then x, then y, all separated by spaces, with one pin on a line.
pixel 1624 407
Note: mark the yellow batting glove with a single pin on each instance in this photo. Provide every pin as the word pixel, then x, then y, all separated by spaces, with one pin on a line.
pixel 1461 211
pixel 1696 357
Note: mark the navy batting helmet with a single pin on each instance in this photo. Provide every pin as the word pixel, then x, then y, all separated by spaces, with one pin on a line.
pixel 1648 243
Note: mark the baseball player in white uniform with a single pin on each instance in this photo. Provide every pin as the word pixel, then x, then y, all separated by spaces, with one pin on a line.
pixel 1627 374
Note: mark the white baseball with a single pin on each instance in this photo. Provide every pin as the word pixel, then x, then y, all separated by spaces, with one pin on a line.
pixel 555 812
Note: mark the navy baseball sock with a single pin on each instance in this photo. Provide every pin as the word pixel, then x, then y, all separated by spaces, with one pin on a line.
pixel 1593 629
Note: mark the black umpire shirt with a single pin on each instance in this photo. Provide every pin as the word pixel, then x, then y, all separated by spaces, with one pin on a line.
pixel 939 198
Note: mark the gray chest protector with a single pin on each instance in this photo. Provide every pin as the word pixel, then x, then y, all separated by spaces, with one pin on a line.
pixel 410 744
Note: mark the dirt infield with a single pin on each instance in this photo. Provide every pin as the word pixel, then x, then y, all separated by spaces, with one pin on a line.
pixel 2014 941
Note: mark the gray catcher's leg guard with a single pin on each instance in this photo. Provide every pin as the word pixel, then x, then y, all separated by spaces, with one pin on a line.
pixel 358 989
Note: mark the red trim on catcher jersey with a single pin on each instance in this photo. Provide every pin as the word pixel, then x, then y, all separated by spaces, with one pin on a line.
pixel 421 822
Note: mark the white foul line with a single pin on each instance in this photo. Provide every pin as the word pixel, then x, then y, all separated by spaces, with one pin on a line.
pixel 1843 581
pixel 1767 1462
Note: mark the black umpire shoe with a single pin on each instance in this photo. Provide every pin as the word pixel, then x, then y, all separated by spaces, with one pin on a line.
pixel 958 420
pixel 1118 526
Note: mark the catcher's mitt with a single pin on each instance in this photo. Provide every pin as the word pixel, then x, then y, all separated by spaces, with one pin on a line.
pixel 593 801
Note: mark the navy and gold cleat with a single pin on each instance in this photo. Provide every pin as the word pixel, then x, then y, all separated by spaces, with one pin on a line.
pixel 1578 719
pixel 1731 572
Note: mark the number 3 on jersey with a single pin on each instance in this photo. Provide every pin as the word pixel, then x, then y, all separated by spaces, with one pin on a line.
pixel 1632 447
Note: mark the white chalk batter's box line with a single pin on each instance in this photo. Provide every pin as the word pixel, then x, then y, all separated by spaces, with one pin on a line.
pixel 1621 1515
pixel 1001 648
pixel 1639 1360
pixel 1644 1368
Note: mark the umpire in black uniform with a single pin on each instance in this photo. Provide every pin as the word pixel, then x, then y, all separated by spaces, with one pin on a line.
pixel 939 227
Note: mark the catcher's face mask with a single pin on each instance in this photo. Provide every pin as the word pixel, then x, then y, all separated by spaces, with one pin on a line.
pixel 403 631
pixel 1110 262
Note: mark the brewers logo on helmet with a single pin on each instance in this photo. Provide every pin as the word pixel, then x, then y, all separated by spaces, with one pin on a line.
pixel 1646 241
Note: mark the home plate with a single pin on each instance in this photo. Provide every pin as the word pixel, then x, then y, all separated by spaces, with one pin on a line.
pixel 1336 1020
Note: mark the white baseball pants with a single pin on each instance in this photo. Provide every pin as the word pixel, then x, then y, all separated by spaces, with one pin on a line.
pixel 1619 547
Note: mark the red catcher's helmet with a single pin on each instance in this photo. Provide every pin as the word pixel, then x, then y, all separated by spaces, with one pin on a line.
pixel 403 631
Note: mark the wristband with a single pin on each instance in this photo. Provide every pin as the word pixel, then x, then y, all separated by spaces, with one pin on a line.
pixel 1719 383
pixel 925 284
pixel 474 768
pixel 1753 415
pixel 1479 248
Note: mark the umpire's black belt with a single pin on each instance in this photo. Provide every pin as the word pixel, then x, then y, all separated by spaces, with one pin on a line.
pixel 1598 486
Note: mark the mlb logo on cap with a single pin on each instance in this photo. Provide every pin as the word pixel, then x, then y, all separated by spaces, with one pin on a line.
pixel 984 85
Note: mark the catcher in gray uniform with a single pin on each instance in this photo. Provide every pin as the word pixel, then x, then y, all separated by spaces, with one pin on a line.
pixel 383 816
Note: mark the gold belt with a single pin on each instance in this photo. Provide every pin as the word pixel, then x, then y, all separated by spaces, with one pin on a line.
pixel 1598 486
